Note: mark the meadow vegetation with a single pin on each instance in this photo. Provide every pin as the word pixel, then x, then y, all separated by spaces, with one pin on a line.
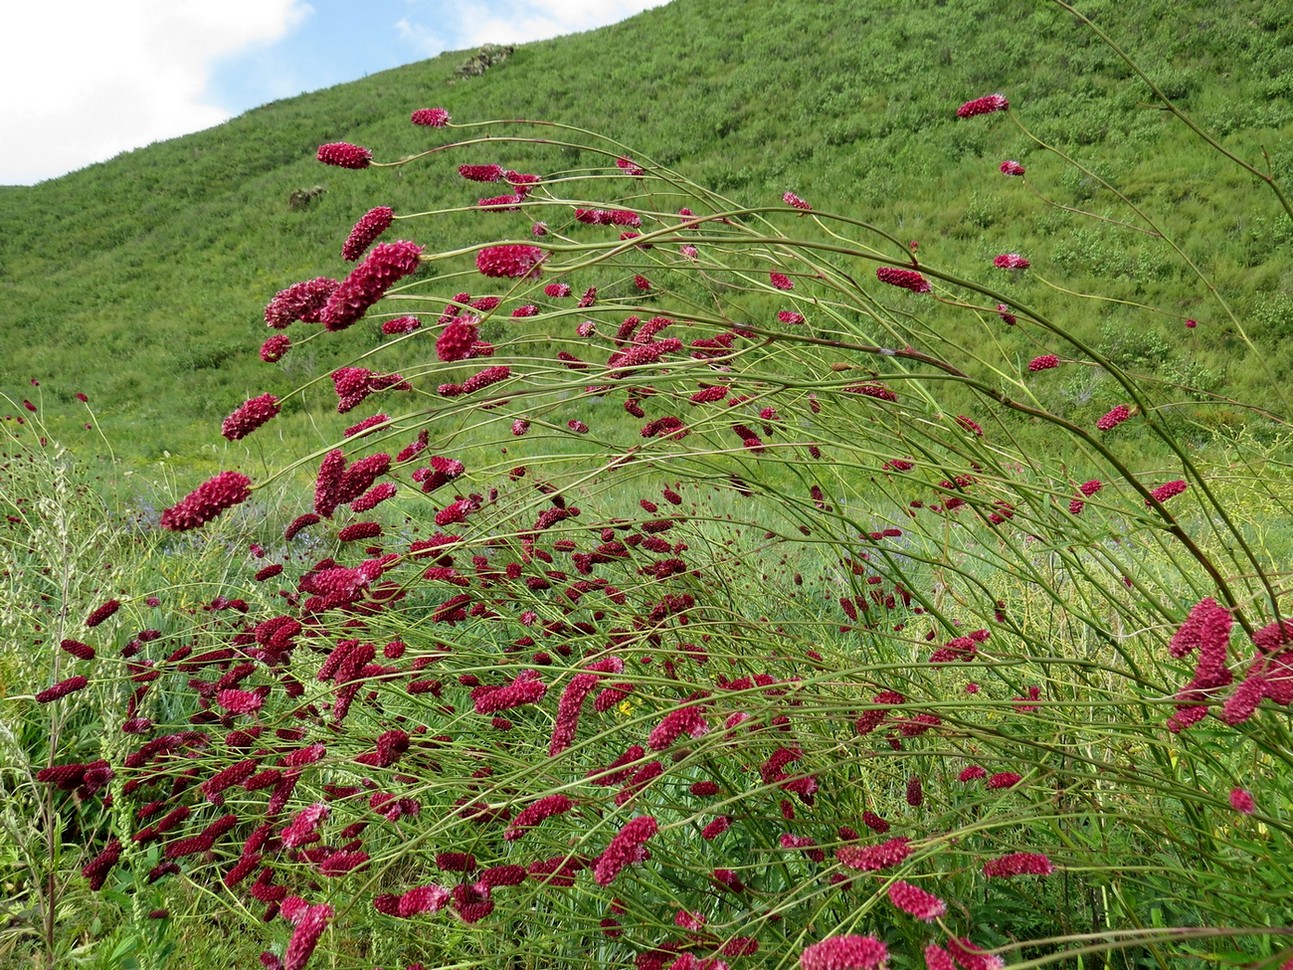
pixel 833 530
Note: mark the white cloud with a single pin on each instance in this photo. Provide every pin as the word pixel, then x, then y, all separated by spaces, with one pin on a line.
pixel 520 21
pixel 419 39
pixel 87 79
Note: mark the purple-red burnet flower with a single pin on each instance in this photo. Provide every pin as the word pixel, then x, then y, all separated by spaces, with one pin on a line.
pixel 400 325
pixel 365 425
pixel 102 612
pixel 509 202
pixel 715 828
pixel 781 281
pixel 454 512
pixel 430 117
pixel 870 858
pixel 302 301
pixel 569 707
pixel 1011 261
pixel 204 503
pixel 79 650
pixel 240 701
pixel 302 830
pixel 970 957
pixel 689 920
pixel 374 222
pixel 1242 801
pixel 791 841
pixel 368 282
pixel 1113 418
pixel 249 416
pixel 1004 313
pixel 273 349
pixel 681 720
pixel 848 952
pixel 1044 362
pixel 790 199
pixel 1005 779
pixel 626 847
pixel 1207 628
pixel 983 106
pixel 310 921
pixel 874 822
pixel 359 531
pixel 456 340
pixel 96 870
pixel 62 689
pixel 1243 703
pixel 877 391
pixel 1018 864
pixel 486 377
pixel 916 901
pixel 1168 490
pixel 1191 324
pixel 510 260
pixel 907 279
pixel 481 173
pixel 456 861
pixel 1011 167
pixel 525 688
pixel 537 812
pixel 1087 489
pixel 345 155
pixel 790 317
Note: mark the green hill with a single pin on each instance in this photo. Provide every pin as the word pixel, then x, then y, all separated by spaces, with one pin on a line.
pixel 140 281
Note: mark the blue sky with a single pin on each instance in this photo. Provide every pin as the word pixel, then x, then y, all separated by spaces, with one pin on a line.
pixel 88 79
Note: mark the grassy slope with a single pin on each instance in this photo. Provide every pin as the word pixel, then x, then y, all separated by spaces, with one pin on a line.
pixel 141 280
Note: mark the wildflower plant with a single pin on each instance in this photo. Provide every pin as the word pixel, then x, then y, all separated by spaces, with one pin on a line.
pixel 716 621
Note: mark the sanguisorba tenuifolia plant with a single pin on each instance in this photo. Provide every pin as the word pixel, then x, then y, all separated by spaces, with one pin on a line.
pixel 695 595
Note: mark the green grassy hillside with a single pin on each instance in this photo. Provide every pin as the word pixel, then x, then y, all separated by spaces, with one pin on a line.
pixel 140 281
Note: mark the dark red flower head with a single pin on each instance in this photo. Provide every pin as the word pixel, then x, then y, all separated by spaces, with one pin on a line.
pixel 908 279
pixel 344 155
pixel 374 222
pixel 208 500
pixel 249 416
pixel 101 613
pixel 511 260
pixel 430 117
pixel 368 282
pixel 275 347
pixel 983 106
pixel 302 301
pixel 848 952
